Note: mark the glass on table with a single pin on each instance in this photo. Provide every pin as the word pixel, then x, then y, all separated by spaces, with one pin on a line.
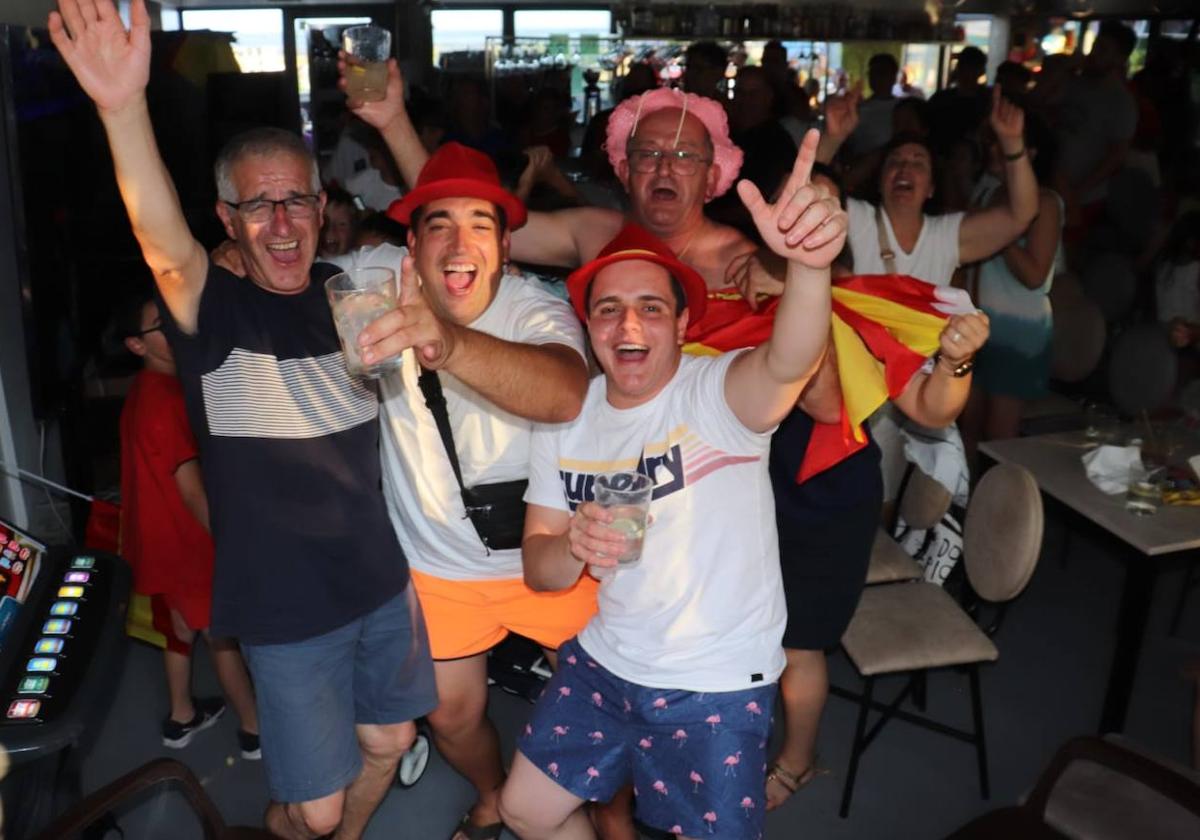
pixel 1101 423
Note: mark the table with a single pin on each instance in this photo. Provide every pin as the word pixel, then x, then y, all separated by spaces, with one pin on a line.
pixel 1056 465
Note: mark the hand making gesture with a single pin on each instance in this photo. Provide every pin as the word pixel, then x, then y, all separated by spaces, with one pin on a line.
pixel 1008 121
pixel 411 324
pixel 111 64
pixel 807 225
pixel 841 113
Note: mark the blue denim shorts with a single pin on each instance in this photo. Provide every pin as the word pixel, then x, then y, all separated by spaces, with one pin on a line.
pixel 697 760
pixel 311 694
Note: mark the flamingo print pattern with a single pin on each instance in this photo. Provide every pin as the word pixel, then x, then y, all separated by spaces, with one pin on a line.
pixel 697 758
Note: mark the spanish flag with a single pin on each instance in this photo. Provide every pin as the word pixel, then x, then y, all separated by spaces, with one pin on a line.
pixel 884 328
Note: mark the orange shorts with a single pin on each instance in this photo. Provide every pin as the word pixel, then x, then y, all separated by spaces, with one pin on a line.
pixel 466 617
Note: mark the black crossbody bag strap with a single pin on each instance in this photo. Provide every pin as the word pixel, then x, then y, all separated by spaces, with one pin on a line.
pixel 435 401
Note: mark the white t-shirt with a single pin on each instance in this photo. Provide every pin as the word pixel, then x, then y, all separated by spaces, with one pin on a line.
pixel 423 497
pixel 375 193
pixel 933 259
pixel 703 610
pixel 383 255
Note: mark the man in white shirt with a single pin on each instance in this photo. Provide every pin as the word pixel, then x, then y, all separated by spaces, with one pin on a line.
pixel 505 354
pixel 671 684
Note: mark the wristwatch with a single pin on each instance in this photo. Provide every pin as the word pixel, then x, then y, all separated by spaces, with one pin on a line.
pixel 958 371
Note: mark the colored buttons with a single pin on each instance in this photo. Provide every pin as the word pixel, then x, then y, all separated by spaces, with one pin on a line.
pixel 56 627
pixel 70 592
pixel 64 608
pixel 41 663
pixel 77 577
pixel 24 709
pixel 33 685
pixel 83 563
pixel 48 646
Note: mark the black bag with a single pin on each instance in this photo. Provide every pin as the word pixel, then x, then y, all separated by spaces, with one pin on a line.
pixel 496 510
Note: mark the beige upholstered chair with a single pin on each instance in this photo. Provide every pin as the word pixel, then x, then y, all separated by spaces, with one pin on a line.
pixel 1100 790
pixel 923 503
pixel 910 628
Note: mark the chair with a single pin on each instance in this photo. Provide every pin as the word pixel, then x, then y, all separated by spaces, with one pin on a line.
pixel 160 772
pixel 923 503
pixel 1077 343
pixel 1102 790
pixel 912 628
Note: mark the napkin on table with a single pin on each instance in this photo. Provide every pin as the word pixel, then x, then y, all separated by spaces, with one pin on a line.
pixel 1109 467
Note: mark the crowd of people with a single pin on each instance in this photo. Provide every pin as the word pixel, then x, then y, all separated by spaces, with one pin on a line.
pixel 714 300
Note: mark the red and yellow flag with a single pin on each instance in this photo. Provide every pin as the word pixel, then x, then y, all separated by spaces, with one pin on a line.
pixel 884 328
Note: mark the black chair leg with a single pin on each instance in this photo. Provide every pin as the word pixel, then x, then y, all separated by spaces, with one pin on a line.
pixel 859 745
pixel 980 741
pixel 1189 581
pixel 919 693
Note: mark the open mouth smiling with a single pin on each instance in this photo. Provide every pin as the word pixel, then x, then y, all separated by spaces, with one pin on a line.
pixel 459 276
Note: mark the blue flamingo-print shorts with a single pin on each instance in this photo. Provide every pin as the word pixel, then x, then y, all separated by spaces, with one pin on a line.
pixel 697 760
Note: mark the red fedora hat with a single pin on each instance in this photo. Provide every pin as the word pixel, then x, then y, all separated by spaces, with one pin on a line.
pixel 636 243
pixel 458 171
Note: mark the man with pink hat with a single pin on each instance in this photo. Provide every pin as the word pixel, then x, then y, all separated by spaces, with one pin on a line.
pixel 670 685
pixel 486 355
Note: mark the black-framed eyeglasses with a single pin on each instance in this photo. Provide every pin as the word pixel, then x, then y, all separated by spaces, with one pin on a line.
pixel 262 209
pixel 154 328
pixel 679 161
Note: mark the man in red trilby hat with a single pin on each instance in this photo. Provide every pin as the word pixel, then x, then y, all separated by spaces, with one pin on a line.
pixel 308 573
pixel 670 686
pixel 487 354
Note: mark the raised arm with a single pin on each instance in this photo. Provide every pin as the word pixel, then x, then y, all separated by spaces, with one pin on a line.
pixel 841 118
pixel 1030 262
pixel 937 398
pixel 390 118
pixel 112 66
pixel 807 227
pixel 541 382
pixel 984 232
pixel 566 238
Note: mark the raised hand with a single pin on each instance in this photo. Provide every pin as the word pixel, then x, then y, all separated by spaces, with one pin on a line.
pixel 841 113
pixel 806 225
pixel 752 279
pixel 962 337
pixel 111 64
pixel 1008 121
pixel 377 114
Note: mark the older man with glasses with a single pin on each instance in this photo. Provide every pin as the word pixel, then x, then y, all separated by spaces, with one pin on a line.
pixel 308 574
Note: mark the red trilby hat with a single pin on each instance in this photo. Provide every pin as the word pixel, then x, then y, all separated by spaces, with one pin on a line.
pixel 636 243
pixel 457 171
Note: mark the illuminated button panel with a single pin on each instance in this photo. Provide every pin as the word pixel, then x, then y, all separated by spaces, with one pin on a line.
pixel 60 651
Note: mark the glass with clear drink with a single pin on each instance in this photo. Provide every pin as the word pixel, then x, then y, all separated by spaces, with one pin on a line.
pixel 627 496
pixel 357 297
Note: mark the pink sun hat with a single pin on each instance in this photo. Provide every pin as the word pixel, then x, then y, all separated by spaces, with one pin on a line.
pixel 625 117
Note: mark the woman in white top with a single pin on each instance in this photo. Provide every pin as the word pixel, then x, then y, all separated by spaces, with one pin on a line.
pixel 898 236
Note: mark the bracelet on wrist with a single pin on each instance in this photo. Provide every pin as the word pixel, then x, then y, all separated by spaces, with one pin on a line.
pixel 1015 156
pixel 955 369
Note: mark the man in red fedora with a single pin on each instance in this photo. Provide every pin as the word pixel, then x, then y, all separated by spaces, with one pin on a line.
pixel 308 573
pixel 670 686
pixel 487 354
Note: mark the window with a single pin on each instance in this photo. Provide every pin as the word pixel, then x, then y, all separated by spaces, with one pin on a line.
pixel 258 34
pixel 541 23
pixel 457 30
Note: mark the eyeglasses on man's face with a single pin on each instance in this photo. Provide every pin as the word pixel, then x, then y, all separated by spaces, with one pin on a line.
pixel 679 161
pixel 298 207
pixel 155 327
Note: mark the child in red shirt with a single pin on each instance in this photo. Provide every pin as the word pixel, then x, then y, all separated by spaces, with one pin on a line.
pixel 165 537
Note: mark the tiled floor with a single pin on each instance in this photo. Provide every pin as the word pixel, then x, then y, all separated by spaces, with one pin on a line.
pixel 1055 648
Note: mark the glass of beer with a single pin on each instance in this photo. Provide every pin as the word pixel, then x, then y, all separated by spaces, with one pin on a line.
pixel 357 297
pixel 367 51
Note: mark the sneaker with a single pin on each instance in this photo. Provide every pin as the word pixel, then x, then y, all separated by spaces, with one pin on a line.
pixel 248 741
pixel 178 735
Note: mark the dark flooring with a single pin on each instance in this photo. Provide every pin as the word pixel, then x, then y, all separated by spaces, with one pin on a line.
pixel 1048 685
